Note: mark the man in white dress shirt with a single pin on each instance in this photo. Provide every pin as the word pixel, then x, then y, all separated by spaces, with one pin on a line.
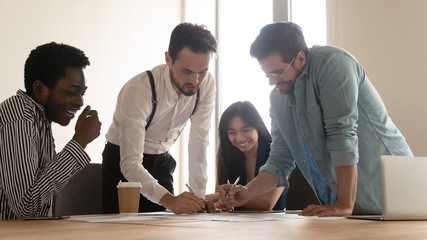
pixel 139 138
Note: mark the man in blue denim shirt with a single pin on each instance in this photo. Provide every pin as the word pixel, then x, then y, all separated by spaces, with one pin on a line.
pixel 328 119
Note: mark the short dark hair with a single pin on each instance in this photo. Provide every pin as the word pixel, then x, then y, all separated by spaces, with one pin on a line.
pixel 284 38
pixel 230 158
pixel 47 63
pixel 196 37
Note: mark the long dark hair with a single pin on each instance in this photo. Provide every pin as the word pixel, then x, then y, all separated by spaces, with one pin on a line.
pixel 230 158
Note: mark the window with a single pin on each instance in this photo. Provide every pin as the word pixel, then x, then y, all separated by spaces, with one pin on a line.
pixel 240 78
pixel 311 19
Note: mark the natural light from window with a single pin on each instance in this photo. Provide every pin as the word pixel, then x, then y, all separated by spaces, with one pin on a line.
pixel 240 76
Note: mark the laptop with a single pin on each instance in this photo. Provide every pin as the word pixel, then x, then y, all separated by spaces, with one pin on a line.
pixel 403 189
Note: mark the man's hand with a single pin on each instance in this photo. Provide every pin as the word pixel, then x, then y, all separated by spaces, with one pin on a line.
pixel 88 127
pixel 230 197
pixel 327 210
pixel 210 207
pixel 347 188
pixel 185 202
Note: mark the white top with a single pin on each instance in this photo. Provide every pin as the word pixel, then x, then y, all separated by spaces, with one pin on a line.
pixel 133 109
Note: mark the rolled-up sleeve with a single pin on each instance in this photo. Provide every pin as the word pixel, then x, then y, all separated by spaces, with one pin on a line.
pixel 340 80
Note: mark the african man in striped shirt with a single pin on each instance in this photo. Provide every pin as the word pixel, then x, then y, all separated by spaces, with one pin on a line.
pixel 31 172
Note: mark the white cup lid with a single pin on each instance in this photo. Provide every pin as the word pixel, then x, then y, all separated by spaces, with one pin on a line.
pixel 129 184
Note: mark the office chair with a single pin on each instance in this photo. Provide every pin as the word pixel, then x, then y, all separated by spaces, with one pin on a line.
pixel 300 194
pixel 82 194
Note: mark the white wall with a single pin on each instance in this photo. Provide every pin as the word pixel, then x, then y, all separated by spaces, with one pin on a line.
pixel 389 38
pixel 121 38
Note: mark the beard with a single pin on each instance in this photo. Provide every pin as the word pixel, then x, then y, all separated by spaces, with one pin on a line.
pixel 181 88
pixel 285 87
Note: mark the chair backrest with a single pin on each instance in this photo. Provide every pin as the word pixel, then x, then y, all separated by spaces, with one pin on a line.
pixel 300 194
pixel 82 194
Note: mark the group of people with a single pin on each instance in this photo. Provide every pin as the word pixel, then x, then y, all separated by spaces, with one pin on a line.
pixel 327 121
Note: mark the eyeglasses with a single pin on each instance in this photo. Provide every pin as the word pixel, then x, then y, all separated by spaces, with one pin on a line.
pixel 279 73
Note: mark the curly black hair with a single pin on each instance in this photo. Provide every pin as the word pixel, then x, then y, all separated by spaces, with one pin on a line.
pixel 48 62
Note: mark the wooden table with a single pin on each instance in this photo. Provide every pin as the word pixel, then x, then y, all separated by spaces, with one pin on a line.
pixel 215 230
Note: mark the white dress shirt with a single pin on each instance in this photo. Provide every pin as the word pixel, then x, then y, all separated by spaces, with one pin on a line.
pixel 133 109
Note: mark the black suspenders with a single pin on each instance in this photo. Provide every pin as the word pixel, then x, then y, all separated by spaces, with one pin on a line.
pixel 154 99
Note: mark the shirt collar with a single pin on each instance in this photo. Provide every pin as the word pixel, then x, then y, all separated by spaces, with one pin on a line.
pixel 27 98
pixel 168 83
pixel 307 64
pixel 291 99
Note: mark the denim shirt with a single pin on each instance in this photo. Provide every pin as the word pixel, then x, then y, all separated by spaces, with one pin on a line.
pixel 343 121
pixel 324 193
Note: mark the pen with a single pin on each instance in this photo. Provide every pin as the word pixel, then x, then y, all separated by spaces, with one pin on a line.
pixel 191 190
pixel 234 184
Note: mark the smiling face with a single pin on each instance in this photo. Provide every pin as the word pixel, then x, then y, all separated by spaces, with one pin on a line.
pixel 242 136
pixel 188 70
pixel 281 74
pixel 63 100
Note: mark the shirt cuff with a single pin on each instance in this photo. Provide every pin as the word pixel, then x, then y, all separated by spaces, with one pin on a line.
pixel 159 192
pixel 79 154
pixel 276 172
pixel 342 159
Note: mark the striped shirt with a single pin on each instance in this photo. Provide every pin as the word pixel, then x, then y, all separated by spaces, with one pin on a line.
pixel 31 172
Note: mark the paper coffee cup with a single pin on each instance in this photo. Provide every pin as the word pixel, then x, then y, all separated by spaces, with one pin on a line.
pixel 128 197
